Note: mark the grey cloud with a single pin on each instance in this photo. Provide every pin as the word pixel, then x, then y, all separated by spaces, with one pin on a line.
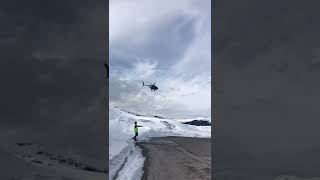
pixel 52 75
pixel 263 50
pixel 167 40
pixel 166 44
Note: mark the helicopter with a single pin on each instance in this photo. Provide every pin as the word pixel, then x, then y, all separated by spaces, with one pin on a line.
pixel 152 87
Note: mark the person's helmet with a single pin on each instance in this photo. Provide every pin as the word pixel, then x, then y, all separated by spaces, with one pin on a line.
pixel 135 122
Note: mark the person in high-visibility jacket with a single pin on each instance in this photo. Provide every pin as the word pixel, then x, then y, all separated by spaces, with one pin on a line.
pixel 135 130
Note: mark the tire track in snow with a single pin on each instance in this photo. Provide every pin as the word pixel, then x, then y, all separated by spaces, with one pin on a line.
pixel 121 166
pixel 117 163
pixel 128 164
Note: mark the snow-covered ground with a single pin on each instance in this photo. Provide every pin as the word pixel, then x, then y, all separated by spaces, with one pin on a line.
pixel 295 178
pixel 125 159
pixel 27 161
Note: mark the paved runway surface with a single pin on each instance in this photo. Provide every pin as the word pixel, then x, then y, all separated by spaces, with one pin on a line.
pixel 178 158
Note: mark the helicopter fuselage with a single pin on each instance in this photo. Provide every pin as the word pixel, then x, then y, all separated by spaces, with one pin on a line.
pixel 152 87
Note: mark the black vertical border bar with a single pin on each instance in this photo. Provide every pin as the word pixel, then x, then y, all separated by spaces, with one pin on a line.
pixel 213 102
pixel 107 88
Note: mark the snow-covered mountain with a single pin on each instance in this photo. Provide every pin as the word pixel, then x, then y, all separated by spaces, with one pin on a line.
pixel 125 159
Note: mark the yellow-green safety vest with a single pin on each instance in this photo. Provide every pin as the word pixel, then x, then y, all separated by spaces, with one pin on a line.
pixel 135 129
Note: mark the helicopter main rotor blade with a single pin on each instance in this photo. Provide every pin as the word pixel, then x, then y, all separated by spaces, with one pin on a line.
pixel 148 82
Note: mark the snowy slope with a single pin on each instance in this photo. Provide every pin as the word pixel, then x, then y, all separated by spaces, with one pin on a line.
pixel 14 167
pixel 125 159
pixel 295 178
pixel 192 119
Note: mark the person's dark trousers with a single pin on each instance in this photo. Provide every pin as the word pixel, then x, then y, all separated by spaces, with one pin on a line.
pixel 135 137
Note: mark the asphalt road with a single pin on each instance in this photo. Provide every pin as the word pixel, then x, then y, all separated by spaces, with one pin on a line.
pixel 177 158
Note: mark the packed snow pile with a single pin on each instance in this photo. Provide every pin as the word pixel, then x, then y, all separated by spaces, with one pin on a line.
pixel 125 159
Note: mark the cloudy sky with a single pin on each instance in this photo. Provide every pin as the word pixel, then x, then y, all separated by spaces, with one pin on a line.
pixel 267 69
pixel 52 76
pixel 167 42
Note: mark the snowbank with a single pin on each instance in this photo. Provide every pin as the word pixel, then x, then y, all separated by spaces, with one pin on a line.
pixel 125 159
